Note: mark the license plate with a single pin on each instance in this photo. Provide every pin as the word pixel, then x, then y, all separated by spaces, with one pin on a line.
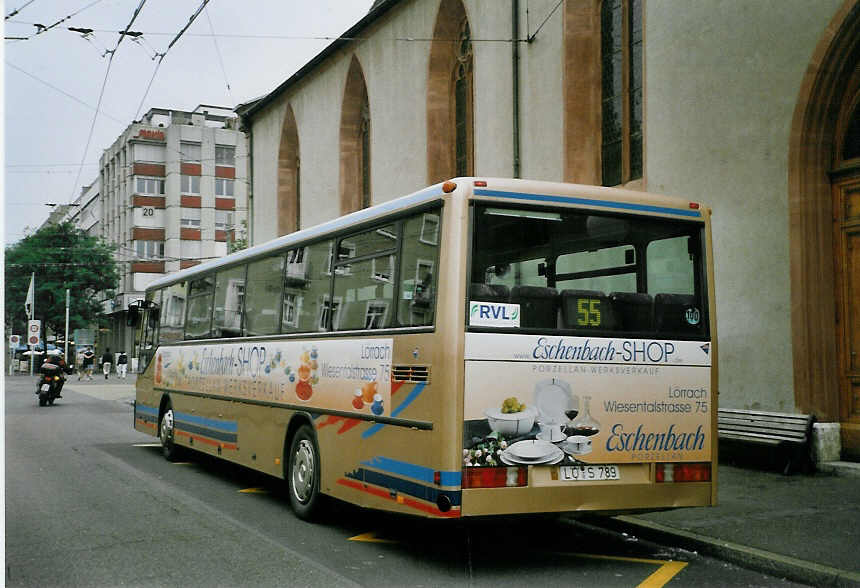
pixel 589 473
pixel 46 387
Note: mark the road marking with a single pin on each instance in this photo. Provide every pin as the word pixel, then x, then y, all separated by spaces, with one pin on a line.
pixel 371 538
pixel 254 491
pixel 147 445
pixel 665 572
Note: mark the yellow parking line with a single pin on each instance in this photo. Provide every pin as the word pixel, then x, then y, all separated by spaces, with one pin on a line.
pixel 254 491
pixel 663 574
pixel 370 538
pixel 666 571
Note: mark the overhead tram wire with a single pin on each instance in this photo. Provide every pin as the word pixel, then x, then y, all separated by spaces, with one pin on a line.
pixel 161 56
pixel 17 10
pixel 102 92
pixel 220 59
pixel 63 92
pixel 44 29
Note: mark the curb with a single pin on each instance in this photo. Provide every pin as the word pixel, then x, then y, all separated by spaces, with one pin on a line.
pixel 839 468
pixel 774 564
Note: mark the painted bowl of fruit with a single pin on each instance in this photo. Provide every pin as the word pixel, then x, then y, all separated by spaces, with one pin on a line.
pixel 511 420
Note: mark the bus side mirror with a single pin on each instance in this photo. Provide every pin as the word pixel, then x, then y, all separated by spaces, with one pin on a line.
pixel 153 318
pixel 133 316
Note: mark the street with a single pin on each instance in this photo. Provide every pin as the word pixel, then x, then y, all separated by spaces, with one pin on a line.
pixel 91 502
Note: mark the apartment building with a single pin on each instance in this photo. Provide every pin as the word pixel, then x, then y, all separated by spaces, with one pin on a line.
pixel 173 194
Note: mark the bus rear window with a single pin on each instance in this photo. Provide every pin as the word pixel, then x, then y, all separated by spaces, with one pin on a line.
pixel 587 273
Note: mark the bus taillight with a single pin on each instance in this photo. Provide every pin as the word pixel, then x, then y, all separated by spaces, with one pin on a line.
pixel 495 477
pixel 683 472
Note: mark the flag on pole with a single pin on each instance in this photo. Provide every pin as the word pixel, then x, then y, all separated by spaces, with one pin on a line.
pixel 28 304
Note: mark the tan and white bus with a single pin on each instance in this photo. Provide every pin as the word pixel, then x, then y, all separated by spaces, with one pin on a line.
pixel 481 347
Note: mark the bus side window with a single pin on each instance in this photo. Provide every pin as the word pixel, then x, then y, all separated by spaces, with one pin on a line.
pixel 306 305
pixel 418 269
pixel 198 325
pixel 364 289
pixel 263 296
pixel 172 314
pixel 229 300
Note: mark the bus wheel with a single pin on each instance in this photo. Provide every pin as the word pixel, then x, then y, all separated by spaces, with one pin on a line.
pixel 303 474
pixel 166 433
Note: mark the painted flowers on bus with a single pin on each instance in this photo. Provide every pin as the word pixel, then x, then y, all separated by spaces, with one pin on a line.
pixel 344 375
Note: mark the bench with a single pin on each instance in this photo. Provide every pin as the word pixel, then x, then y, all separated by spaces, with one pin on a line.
pixel 792 432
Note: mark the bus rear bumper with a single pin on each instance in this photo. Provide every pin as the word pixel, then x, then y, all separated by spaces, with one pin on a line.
pixel 605 498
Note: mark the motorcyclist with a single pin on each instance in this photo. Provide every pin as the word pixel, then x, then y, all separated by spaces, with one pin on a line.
pixel 62 368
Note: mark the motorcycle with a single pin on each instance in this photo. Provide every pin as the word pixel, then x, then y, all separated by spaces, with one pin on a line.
pixel 50 383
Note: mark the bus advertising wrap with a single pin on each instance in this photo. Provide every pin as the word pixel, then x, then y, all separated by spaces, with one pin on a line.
pixel 340 375
pixel 578 400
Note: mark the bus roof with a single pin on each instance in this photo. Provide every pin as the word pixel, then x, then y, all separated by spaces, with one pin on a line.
pixel 533 191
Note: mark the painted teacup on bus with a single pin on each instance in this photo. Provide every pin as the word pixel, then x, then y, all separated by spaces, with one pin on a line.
pixel 551 431
pixel 578 444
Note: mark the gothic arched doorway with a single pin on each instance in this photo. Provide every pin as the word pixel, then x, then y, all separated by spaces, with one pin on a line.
pixel 824 226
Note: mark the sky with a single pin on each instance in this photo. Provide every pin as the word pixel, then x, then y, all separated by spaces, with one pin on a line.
pixel 55 81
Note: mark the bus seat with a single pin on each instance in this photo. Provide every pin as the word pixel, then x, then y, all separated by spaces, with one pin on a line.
pixel 670 313
pixel 634 310
pixel 574 317
pixel 489 292
pixel 538 306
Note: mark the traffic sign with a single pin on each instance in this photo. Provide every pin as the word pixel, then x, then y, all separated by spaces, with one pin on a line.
pixel 34 328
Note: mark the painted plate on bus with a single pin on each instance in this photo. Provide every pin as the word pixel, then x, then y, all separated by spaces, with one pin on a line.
pixel 553 399
pixel 532 450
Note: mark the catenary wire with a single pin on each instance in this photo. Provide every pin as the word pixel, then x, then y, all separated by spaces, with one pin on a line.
pixel 102 92
pixel 17 10
pixel 220 59
pixel 161 56
pixel 63 92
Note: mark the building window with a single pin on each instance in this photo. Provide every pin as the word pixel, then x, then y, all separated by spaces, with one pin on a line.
pixel 223 220
pixel 374 316
pixel 147 153
pixel 189 184
pixel 149 186
pixel 430 229
pixel 225 155
pixel 621 56
pixel 190 152
pixel 292 310
pixel 329 310
pixel 345 251
pixel 190 218
pixel 382 268
pixel 224 187
pixel 149 249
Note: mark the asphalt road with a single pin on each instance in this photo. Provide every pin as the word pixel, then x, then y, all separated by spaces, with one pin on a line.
pixel 91 502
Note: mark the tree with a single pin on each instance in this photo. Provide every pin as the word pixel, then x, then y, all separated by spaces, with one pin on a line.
pixel 62 256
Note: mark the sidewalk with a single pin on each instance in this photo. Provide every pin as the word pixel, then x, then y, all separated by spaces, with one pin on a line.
pixel 114 388
pixel 806 528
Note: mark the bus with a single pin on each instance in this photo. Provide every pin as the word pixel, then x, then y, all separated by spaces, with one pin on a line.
pixel 480 347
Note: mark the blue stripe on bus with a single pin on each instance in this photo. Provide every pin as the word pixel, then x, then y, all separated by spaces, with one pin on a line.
pixel 589 202
pixel 411 470
pixel 149 410
pixel 226 426
pixel 415 489
pixel 416 391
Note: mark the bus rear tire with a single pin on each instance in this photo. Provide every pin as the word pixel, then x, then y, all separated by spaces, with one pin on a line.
pixel 303 474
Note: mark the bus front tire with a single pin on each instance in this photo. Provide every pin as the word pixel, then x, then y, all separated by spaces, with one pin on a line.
pixel 303 474
pixel 166 433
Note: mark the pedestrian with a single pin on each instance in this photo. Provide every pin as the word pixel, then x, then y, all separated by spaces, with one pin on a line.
pixel 88 360
pixel 122 365
pixel 107 359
